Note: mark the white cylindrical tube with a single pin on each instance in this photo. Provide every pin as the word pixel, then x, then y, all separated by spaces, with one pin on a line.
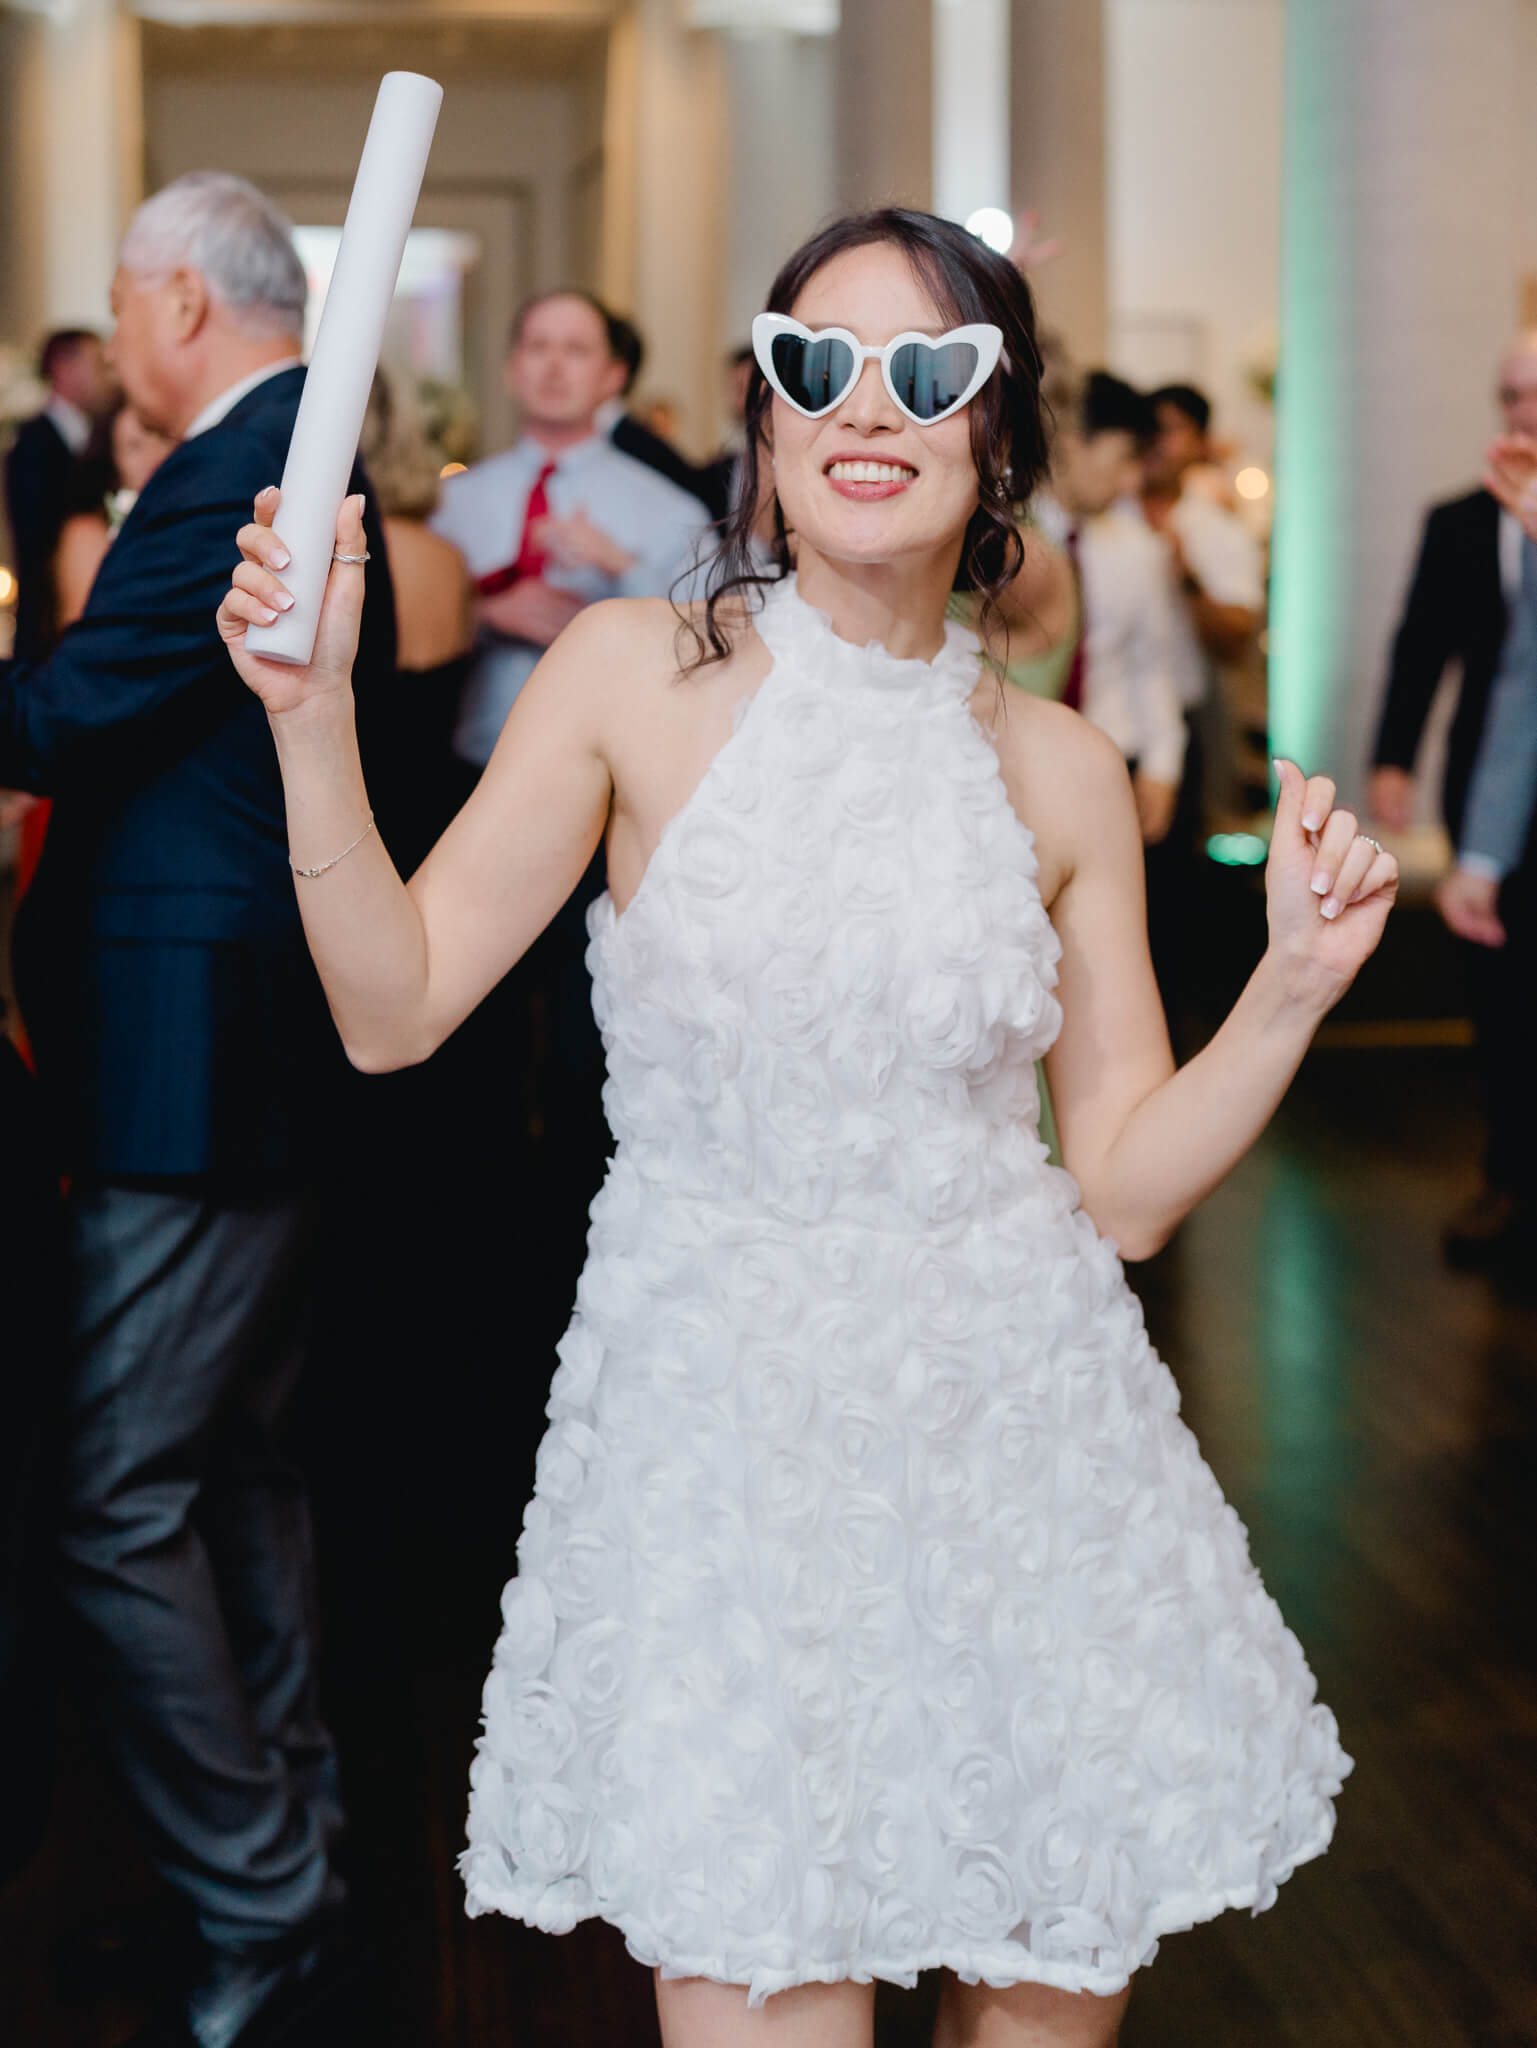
pixel 325 436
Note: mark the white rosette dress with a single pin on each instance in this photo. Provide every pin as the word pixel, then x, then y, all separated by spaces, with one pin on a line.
pixel 875 1611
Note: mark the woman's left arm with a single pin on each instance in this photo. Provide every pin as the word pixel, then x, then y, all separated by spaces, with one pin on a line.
pixel 1146 1143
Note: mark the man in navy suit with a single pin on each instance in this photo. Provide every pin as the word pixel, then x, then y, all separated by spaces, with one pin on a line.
pixel 184 1048
pixel 1464 594
pixel 48 476
pixel 1490 897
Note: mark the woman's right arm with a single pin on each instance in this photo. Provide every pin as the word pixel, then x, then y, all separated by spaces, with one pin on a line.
pixel 403 966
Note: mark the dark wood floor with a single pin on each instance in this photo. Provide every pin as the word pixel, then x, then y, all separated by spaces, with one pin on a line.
pixel 1372 1416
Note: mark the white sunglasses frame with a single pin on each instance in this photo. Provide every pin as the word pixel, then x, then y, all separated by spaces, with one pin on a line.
pixel 986 339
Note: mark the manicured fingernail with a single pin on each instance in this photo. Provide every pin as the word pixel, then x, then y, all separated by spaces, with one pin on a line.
pixel 279 558
pixel 1320 883
pixel 1331 906
pixel 283 599
pixel 269 616
pixel 1311 821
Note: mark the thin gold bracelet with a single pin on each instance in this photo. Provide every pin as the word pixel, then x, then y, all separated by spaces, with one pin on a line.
pixel 325 864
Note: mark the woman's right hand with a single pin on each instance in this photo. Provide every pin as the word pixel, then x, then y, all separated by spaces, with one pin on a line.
pixel 257 596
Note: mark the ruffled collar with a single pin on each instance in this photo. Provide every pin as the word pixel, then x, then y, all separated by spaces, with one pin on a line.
pixel 799 635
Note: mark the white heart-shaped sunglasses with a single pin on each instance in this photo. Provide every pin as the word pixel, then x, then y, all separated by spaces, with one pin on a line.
pixel 928 376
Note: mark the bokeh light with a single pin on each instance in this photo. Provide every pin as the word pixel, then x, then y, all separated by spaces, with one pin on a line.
pixel 1237 849
pixel 992 225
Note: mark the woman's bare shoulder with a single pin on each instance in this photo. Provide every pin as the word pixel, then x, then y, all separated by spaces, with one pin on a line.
pixel 650 639
pixel 1062 774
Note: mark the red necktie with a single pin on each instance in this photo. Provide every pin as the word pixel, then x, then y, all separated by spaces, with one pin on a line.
pixel 531 557
pixel 1072 693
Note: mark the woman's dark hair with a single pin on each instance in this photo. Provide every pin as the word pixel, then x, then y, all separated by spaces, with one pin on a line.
pixel 968 282
pixel 1195 405
pixel 1109 405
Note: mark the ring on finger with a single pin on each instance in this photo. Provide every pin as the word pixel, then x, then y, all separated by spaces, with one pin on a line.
pixel 1376 844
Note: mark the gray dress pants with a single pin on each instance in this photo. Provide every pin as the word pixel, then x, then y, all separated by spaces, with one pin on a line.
pixel 187 1555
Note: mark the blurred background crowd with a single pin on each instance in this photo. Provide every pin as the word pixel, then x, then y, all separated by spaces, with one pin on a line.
pixel 1285 253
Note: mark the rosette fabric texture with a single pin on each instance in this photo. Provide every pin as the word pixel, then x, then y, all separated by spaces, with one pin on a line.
pixel 875 1611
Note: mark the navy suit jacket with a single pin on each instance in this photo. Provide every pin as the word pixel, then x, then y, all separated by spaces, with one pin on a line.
pixel 1455 610
pixel 177 1021
pixel 1502 795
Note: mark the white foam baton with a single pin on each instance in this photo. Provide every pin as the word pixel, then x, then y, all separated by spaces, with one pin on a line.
pixel 341 370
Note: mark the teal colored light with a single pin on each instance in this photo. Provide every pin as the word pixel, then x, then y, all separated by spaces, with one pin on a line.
pixel 1309 616
pixel 1237 849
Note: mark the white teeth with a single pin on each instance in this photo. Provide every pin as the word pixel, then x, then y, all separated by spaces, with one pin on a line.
pixel 870 472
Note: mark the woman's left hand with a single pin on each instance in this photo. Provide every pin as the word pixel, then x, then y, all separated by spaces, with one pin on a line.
pixel 1328 889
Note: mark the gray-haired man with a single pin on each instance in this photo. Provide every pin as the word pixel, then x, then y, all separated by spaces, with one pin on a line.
pixel 184 1048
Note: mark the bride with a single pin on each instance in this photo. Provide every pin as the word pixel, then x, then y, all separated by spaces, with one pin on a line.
pixel 875 1612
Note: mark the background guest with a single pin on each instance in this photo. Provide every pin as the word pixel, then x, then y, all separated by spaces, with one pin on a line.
pixel 187 1060
pixel 1124 682
pixel 552 524
pixel 718 475
pixel 137 451
pixel 1466 579
pixel 1490 899
pixel 1220 567
pixel 634 436
pixel 1218 570
pixel 44 475
pixel 434 610
pixel 563 517
pixel 1465 587
pixel 1037 632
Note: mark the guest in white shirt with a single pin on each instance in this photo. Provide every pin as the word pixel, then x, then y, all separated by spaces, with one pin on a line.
pixel 1217 561
pixel 561 519
pixel 1216 569
pixel 1125 680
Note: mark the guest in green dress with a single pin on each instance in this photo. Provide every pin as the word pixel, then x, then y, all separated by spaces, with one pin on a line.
pixel 1037 623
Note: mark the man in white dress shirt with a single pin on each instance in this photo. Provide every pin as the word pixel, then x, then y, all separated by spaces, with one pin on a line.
pixel 1128 682
pixel 561 519
pixel 1218 570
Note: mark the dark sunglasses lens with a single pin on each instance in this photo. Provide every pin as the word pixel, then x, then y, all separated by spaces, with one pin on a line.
pixel 928 381
pixel 814 373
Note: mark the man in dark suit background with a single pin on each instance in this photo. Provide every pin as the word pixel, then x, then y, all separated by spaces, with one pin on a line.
pixel 630 437
pixel 1466 583
pixel 45 474
pixel 185 1052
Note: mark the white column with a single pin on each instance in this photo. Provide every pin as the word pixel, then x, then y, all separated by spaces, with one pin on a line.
pixel 91 137
pixel 22 316
pixel 664 203
pixel 780 92
pixel 885 116
pixel 971 106
pixel 1400 258
pixel 1057 158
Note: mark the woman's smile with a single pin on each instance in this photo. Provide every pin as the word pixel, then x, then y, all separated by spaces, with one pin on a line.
pixel 865 478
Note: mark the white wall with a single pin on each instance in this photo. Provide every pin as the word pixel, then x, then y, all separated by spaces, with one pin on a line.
pixel 1193 105
pixel 514 161
pixel 781 91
